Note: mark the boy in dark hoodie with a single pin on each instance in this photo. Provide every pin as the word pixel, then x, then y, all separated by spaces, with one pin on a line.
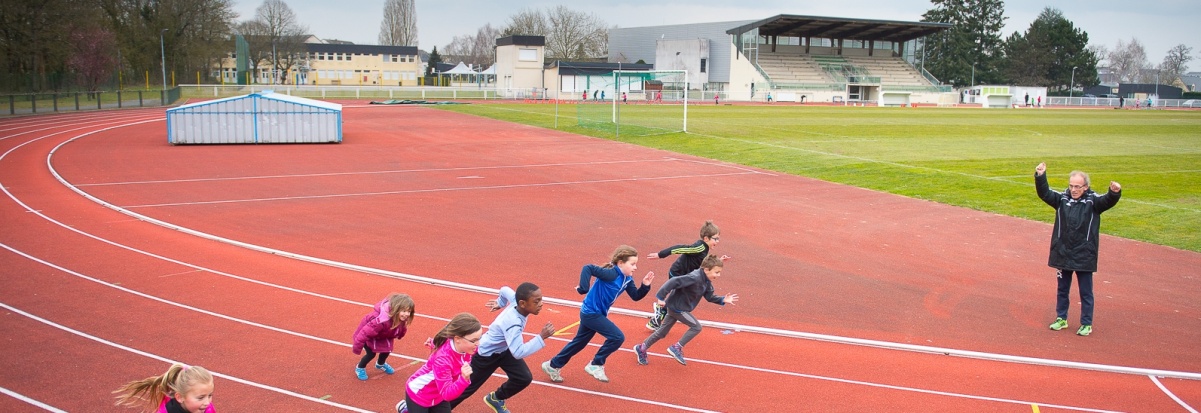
pixel 679 296
pixel 689 260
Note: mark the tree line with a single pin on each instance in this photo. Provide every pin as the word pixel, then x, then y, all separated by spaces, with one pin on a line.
pixel 89 44
pixel 1052 52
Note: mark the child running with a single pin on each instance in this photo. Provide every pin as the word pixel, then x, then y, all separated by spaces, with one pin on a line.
pixel 680 296
pixel 389 320
pixel 611 280
pixel 445 375
pixel 181 389
pixel 689 260
pixel 503 347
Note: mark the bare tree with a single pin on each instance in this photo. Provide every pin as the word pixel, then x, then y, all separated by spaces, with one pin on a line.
pixel 93 56
pixel 569 34
pixel 279 23
pixel 1128 61
pixel 478 50
pixel 575 35
pixel 527 22
pixel 1175 63
pixel 399 26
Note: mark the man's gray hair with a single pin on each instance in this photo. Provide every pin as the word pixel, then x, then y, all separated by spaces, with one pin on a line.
pixel 1080 174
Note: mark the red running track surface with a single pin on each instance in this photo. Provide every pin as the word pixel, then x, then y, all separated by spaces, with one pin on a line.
pixel 94 297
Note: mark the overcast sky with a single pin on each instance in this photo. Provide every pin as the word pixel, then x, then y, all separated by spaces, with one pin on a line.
pixel 1158 24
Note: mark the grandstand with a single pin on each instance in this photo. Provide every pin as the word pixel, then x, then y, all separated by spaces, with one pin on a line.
pixel 827 59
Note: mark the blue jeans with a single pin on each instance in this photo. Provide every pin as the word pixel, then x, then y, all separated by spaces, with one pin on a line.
pixel 1062 299
pixel 590 324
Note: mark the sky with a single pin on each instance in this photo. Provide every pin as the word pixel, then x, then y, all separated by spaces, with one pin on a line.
pixel 1158 24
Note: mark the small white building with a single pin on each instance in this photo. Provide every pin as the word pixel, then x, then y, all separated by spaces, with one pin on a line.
pixel 263 117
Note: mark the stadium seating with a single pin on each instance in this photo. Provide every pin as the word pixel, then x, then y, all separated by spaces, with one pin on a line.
pixel 816 69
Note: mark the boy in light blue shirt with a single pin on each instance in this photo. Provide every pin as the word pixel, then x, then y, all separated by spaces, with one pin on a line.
pixel 503 346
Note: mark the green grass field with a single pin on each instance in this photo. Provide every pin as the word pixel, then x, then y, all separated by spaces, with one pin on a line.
pixel 982 159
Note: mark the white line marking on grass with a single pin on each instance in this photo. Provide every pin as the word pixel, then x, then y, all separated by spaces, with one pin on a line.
pixel 450 189
pixel 1170 394
pixel 925 168
pixel 266 327
pixel 170 361
pixel 394 171
pixel 33 402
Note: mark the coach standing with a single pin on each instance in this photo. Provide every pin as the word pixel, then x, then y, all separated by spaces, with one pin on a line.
pixel 1075 240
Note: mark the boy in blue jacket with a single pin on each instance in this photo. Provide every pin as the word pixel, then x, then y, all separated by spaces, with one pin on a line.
pixel 611 280
pixel 680 295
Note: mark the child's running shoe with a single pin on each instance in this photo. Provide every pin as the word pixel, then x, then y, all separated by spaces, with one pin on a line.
pixel 497 406
pixel 640 350
pixel 1060 324
pixel 1084 330
pixel 677 352
pixel 597 371
pixel 360 373
pixel 402 407
pixel 552 372
pixel 386 368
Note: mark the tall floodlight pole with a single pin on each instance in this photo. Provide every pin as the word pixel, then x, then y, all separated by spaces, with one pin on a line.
pixel 163 50
pixel 1072 86
pixel 274 63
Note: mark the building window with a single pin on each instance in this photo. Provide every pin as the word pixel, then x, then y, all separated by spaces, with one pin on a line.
pixel 703 61
pixel 527 55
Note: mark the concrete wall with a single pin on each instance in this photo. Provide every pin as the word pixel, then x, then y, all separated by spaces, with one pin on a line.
pixel 628 45
pixel 519 67
pixel 685 55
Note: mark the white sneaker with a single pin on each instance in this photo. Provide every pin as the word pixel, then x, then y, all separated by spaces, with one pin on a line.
pixel 552 372
pixel 597 371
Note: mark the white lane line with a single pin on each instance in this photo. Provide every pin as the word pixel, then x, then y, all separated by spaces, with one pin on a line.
pixel 1172 395
pixel 33 402
pixel 576 304
pixel 170 361
pixel 333 342
pixel 900 388
pixel 745 328
pixel 397 171
pixel 258 325
pixel 448 189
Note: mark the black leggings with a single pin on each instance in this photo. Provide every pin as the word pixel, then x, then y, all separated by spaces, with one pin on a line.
pixel 367 357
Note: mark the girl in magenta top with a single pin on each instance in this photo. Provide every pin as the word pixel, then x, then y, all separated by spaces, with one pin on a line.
pixel 448 371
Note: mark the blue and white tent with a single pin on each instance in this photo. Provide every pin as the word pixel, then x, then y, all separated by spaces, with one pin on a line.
pixel 263 117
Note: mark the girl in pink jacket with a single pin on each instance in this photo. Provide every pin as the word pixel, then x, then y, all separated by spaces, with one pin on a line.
pixel 388 321
pixel 181 389
pixel 448 371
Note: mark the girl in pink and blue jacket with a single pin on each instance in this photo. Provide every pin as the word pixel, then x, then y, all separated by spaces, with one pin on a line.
pixel 388 321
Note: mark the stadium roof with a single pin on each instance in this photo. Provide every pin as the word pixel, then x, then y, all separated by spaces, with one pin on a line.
pixel 789 25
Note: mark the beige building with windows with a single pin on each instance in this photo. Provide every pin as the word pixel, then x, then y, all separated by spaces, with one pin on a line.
pixel 328 64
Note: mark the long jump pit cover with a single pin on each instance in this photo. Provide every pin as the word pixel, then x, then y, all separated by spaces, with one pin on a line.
pixel 264 117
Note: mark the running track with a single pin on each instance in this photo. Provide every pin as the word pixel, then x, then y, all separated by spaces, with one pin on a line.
pixel 121 253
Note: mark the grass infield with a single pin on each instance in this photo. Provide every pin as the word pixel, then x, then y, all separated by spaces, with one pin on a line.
pixel 982 159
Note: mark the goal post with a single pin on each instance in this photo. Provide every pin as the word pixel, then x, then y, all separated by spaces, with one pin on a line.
pixel 637 103
pixel 656 101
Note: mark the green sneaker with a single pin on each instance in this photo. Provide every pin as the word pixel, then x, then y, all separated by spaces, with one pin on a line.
pixel 1060 324
pixel 1084 330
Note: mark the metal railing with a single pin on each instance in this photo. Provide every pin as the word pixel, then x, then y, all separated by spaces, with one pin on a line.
pixel 1128 103
pixel 26 103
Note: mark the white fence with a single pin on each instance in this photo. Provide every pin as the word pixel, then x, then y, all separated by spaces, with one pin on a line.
pixel 367 92
pixel 1128 103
